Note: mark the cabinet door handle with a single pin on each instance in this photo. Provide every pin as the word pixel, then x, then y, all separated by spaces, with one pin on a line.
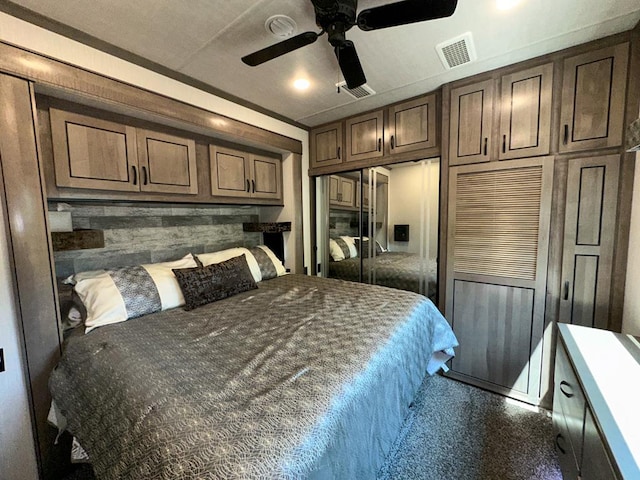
pixel 135 174
pixel 504 144
pixel 558 437
pixel 565 384
pixel 248 187
pixel 486 141
pixel 253 186
pixel 339 153
pixel 144 176
pixel 565 293
pixel 392 142
pixel 565 136
pixel 379 144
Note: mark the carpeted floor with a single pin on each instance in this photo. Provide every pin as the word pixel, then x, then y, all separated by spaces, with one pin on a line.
pixel 458 432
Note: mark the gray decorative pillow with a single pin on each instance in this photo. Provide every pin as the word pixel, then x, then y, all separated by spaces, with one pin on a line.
pixel 267 268
pixel 214 282
pixel 344 247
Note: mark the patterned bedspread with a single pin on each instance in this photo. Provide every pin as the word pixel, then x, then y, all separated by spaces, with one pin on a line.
pixel 392 269
pixel 302 378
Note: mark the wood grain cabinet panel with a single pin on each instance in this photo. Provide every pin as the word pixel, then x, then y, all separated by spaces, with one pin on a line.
pixel 93 153
pixel 593 98
pixel 525 114
pixel 326 145
pixel 235 173
pixel 591 204
pixel 167 163
pixel 596 464
pixel 365 135
pixel 412 125
pixel 471 123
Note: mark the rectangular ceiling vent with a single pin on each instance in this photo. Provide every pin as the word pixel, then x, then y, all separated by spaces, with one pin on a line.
pixel 457 51
pixel 358 92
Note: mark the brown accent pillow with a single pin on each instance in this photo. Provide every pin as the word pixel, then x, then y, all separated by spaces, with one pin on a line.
pixel 202 285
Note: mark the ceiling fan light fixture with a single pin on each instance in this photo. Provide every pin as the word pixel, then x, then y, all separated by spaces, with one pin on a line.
pixel 506 4
pixel 301 84
pixel 281 26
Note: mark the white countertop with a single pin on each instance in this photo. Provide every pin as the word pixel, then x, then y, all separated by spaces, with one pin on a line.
pixel 608 365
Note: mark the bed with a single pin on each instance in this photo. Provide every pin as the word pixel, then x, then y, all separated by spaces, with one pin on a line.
pixel 392 269
pixel 302 377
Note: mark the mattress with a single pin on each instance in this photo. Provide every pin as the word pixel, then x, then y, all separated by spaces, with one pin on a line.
pixel 303 377
pixel 392 269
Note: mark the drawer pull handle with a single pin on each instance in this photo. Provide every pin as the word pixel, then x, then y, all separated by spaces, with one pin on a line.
pixel 392 142
pixel 565 136
pixel 565 294
pixel 248 187
pixel 504 144
pixel 339 153
pixel 135 174
pixel 379 144
pixel 144 176
pixel 567 385
pixel 253 185
pixel 558 437
pixel 486 141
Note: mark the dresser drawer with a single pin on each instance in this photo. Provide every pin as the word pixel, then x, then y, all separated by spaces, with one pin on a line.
pixel 563 446
pixel 596 464
pixel 569 400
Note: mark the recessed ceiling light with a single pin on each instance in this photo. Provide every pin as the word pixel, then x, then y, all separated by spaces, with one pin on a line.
pixel 301 84
pixel 506 4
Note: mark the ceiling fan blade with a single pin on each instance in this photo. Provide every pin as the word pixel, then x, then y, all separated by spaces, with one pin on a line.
pixel 350 64
pixel 274 51
pixel 404 12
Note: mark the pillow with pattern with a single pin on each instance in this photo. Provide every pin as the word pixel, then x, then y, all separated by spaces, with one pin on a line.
pixel 203 285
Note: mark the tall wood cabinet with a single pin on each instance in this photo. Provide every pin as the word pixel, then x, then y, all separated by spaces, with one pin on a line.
pixel 498 237
pixel 593 99
pixel 589 234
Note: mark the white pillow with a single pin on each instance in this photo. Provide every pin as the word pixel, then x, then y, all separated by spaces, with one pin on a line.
pixel 262 267
pixel 112 296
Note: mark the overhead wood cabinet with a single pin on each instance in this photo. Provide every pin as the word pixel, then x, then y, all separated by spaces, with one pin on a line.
pixel 97 154
pixel 589 234
pixel 471 123
pixel 235 173
pixel 365 136
pixel 525 112
pixel 593 99
pixel 498 236
pixel 341 191
pixel 326 145
pixel 412 125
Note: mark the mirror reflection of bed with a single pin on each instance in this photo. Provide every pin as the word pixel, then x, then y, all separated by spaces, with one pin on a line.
pixel 383 226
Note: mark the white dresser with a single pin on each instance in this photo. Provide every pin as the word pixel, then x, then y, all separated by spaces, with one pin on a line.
pixel 596 404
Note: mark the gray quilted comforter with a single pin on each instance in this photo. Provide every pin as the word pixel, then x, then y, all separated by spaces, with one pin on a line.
pixel 302 378
pixel 392 269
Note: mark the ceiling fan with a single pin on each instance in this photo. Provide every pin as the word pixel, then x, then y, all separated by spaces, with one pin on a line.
pixel 335 17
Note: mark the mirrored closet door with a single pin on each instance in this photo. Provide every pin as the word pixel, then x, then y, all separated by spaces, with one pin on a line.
pixel 380 226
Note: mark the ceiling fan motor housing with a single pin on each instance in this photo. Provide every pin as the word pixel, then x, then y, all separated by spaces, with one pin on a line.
pixel 335 18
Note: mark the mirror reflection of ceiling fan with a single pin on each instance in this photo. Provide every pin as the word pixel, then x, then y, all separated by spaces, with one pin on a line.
pixel 335 17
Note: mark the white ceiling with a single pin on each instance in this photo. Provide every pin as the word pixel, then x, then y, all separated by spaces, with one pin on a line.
pixel 205 39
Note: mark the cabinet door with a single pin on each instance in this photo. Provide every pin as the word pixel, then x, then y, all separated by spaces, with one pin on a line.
pixel 596 464
pixel 266 177
pixel 334 190
pixel 230 172
pixel 593 95
pixel 365 194
pixel 167 163
pixel 365 136
pixel 471 123
pixel 412 125
pixel 589 232
pixel 497 249
pixel 93 153
pixel 525 118
pixel 347 192
pixel 326 145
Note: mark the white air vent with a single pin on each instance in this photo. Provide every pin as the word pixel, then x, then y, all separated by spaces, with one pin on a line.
pixel 280 26
pixel 457 51
pixel 358 92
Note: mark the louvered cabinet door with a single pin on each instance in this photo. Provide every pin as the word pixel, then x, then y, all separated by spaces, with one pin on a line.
pixel 498 236
pixel 592 185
